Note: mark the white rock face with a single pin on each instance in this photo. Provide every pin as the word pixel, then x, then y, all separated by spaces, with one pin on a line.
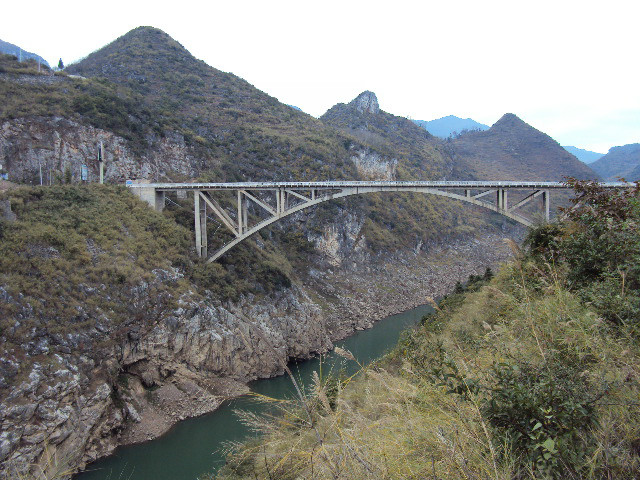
pixel 373 166
pixel 366 102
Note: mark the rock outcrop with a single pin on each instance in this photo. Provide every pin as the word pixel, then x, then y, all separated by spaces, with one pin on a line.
pixel 53 149
pixel 373 166
pixel 366 102
pixel 194 357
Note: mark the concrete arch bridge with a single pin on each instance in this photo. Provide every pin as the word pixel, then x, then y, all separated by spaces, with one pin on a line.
pixel 281 199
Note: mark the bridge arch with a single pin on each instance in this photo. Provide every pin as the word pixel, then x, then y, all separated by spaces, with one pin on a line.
pixel 249 232
pixel 292 197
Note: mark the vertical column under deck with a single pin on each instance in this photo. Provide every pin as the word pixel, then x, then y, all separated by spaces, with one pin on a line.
pixel 501 199
pixel 239 217
pixel 245 216
pixel 545 204
pixel 200 214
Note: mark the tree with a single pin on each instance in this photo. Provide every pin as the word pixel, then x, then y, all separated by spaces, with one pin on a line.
pixel 60 64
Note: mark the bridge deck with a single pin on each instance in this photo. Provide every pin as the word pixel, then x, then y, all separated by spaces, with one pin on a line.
pixel 357 184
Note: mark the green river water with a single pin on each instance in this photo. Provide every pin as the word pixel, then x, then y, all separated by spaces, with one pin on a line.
pixel 194 446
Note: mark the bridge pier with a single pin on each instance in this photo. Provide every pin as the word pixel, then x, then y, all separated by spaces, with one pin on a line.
pixel 501 200
pixel 200 220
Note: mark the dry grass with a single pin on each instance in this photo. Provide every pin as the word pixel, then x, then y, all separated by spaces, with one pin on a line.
pixel 50 466
pixel 394 421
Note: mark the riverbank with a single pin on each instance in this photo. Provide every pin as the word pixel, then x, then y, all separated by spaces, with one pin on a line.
pixel 197 447
pixel 342 301
pixel 451 399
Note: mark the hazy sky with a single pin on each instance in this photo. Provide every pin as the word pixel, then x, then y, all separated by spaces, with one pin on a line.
pixel 569 68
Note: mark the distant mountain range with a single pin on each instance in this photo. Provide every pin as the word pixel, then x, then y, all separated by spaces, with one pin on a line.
pixel 620 162
pixel 450 125
pixel 11 49
pixel 583 155
pixel 512 150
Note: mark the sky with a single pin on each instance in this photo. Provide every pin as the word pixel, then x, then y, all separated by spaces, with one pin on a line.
pixel 568 68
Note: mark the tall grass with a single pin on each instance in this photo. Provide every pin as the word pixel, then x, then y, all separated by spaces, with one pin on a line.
pixel 512 378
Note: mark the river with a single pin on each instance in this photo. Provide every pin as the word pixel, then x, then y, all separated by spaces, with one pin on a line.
pixel 194 446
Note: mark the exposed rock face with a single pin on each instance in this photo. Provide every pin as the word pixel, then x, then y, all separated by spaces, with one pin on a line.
pixel 366 102
pixel 341 242
pixel 203 352
pixel 373 166
pixel 59 408
pixel 57 146
pixel 5 211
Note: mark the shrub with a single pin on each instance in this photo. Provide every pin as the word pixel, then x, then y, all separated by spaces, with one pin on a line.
pixel 543 414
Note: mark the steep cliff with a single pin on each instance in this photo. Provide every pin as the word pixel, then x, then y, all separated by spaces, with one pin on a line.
pixel 109 335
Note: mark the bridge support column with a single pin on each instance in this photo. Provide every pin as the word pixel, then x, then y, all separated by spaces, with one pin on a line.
pixel 278 202
pixel 245 216
pixel 501 199
pixel 545 204
pixel 200 212
pixel 239 217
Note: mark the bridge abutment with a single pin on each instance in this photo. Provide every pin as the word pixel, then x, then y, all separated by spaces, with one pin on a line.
pixel 152 196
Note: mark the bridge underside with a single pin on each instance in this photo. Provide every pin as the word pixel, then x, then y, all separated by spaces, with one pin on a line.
pixel 279 200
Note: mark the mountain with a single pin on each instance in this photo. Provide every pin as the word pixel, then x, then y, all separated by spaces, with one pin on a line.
pixel 620 162
pixel 105 309
pixel 11 49
pixel 634 175
pixel 514 150
pixel 584 156
pixel 161 114
pixel 450 125
pixel 419 154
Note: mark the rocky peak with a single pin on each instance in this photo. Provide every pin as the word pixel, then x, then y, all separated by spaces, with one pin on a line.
pixel 366 102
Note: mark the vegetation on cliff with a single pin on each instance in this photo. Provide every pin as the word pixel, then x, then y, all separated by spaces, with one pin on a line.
pixel 533 374
pixel 82 267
